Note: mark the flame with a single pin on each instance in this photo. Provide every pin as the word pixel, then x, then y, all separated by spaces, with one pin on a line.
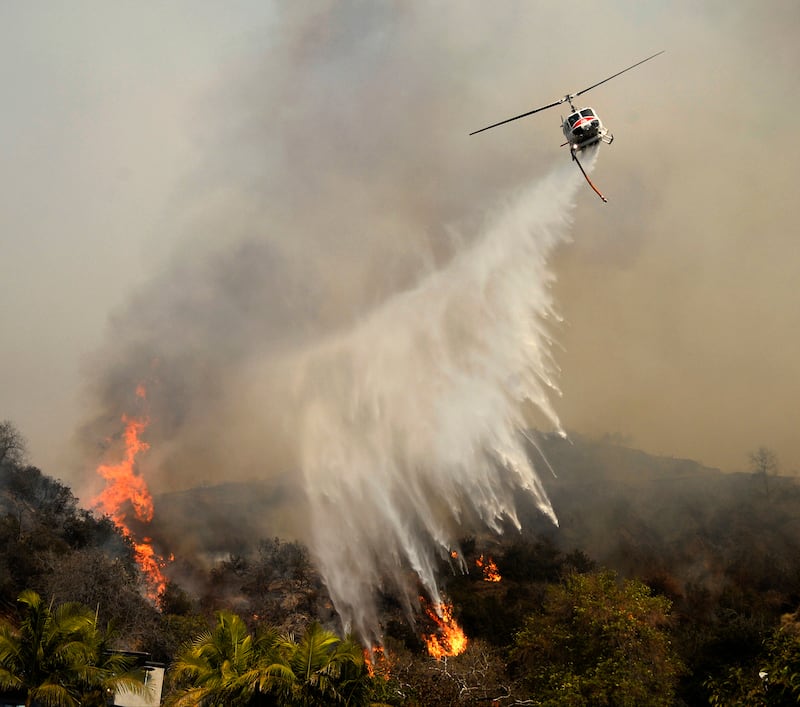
pixel 377 662
pixel 449 640
pixel 123 483
pixel 126 488
pixel 489 569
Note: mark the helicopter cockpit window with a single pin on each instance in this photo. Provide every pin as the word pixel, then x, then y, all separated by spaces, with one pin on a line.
pixel 573 119
pixel 587 113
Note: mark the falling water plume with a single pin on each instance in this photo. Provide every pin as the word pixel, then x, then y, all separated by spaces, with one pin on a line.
pixel 411 422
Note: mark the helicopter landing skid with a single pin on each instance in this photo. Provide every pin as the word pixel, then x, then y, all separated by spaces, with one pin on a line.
pixel 586 176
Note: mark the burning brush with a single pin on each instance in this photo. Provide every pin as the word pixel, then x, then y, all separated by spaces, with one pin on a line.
pixel 449 639
pixel 489 569
pixel 126 489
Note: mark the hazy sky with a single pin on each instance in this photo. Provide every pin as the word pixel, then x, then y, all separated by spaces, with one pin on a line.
pixel 176 169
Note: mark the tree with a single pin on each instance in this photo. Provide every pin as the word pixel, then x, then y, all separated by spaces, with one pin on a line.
pixel 107 585
pixel 227 666
pixel 764 463
pixel 232 667
pixel 327 670
pixel 598 641
pixel 108 671
pixel 58 657
pixel 773 678
pixel 281 585
pixel 12 444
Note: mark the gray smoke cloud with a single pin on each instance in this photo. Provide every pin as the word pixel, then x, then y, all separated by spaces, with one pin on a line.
pixel 340 184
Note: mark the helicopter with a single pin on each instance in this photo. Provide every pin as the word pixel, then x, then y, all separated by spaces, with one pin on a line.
pixel 582 127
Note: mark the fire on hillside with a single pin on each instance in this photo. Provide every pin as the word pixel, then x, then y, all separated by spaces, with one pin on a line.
pixel 126 489
pixel 489 568
pixel 449 638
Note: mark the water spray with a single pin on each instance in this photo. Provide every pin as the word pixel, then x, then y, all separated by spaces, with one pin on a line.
pixel 411 424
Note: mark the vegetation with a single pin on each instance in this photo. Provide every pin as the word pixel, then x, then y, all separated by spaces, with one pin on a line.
pixel 231 666
pixel 598 641
pixel 666 583
pixel 764 463
pixel 58 656
pixel 771 678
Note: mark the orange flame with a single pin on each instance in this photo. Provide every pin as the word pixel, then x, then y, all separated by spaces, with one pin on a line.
pixel 123 483
pixel 377 662
pixel 125 486
pixel 450 639
pixel 489 569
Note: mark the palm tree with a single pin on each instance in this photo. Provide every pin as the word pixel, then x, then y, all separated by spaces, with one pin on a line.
pixel 108 671
pixel 231 667
pixel 327 669
pixel 55 656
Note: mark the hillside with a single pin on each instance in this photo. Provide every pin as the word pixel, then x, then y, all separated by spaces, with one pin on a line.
pixel 637 513
pixel 645 515
pixel 212 521
pixel 715 555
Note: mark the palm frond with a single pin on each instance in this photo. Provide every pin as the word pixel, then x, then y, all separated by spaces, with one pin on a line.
pixel 53 695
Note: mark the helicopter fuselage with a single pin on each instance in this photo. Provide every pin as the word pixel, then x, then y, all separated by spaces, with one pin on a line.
pixel 583 128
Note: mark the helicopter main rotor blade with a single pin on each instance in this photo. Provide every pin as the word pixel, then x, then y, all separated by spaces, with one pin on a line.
pixel 517 117
pixel 568 97
pixel 618 73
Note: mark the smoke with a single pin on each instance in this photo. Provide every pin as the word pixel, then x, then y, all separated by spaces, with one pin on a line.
pixel 338 319
pixel 339 174
pixel 411 424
